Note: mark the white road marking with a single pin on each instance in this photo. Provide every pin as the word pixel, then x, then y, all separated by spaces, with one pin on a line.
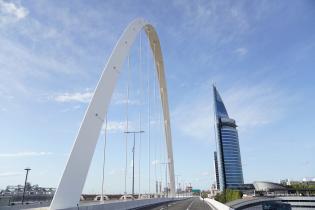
pixel 190 204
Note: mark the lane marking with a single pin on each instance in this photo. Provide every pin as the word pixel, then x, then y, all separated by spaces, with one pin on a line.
pixel 190 204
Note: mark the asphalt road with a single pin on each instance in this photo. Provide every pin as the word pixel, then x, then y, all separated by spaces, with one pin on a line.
pixel 187 204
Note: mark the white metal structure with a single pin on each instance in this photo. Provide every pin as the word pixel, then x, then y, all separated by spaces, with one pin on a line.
pixel 99 198
pixel 127 197
pixel 72 181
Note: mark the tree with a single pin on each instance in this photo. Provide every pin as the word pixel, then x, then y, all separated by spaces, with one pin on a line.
pixel 228 195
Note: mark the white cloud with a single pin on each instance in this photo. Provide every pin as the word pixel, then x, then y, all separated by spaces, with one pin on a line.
pixel 120 98
pixel 74 108
pixel 221 21
pixel 83 97
pixel 249 106
pixel 10 174
pixel 118 126
pixel 255 106
pixel 194 119
pixel 241 51
pixel 86 96
pixel 125 101
pixel 24 154
pixel 11 12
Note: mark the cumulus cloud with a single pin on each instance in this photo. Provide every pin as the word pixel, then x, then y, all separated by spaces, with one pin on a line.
pixel 83 97
pixel 86 96
pixel 11 12
pixel 24 154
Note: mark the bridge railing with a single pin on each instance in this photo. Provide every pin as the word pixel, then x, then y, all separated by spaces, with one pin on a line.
pixel 120 205
pixel 216 204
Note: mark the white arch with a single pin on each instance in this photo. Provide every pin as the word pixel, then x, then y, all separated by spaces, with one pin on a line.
pixel 72 181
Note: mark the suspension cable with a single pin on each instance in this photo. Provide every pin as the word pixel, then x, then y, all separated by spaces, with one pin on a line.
pixel 162 148
pixel 155 143
pixel 140 83
pixel 149 126
pixel 104 158
pixel 126 134
pixel 160 123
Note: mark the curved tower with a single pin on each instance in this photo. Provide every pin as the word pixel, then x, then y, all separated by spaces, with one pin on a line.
pixel 227 158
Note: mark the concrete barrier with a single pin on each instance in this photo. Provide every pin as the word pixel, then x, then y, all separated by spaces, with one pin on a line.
pixel 108 205
pixel 217 205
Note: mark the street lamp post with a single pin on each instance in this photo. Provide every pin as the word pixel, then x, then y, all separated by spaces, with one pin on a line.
pixel 27 170
pixel 177 184
pixel 133 158
pixel 166 185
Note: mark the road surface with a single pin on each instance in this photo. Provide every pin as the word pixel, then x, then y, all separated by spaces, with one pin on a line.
pixel 187 204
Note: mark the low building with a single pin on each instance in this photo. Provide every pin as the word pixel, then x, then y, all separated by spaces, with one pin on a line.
pixel 16 190
pixel 268 186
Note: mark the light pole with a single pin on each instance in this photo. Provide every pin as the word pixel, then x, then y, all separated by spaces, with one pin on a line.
pixel 26 175
pixel 133 157
pixel 177 183
pixel 104 158
pixel 166 185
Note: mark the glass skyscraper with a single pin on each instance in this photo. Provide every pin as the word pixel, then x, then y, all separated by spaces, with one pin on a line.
pixel 227 158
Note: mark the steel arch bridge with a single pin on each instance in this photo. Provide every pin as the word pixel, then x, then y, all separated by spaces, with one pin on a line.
pixel 72 181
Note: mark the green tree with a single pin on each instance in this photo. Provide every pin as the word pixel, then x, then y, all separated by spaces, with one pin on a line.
pixel 228 195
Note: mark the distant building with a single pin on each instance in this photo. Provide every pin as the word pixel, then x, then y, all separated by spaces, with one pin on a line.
pixel 188 188
pixel 30 190
pixel 285 182
pixel 268 186
pixel 227 158
pixel 309 179
pixel 305 181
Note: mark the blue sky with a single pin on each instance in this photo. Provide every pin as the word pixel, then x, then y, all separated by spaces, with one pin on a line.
pixel 260 54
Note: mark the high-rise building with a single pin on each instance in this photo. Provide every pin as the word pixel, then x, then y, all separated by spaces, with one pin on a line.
pixel 227 158
pixel 216 169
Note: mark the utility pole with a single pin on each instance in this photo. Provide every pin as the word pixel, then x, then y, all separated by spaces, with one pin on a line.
pixel 133 157
pixel 26 175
